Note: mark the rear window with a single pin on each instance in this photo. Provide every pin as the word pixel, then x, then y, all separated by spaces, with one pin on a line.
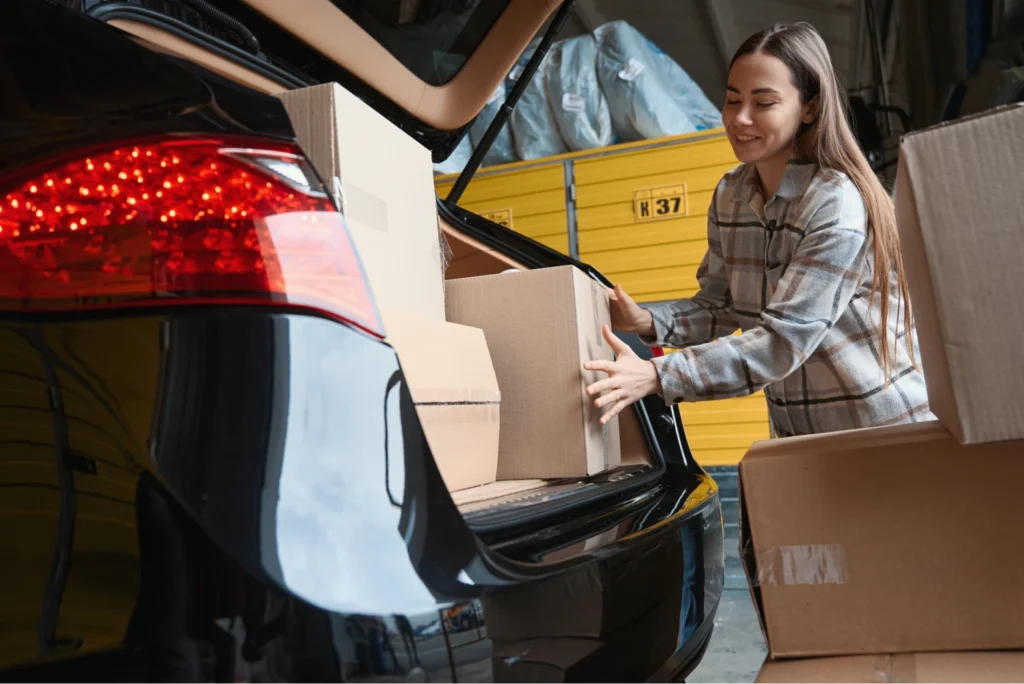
pixel 431 38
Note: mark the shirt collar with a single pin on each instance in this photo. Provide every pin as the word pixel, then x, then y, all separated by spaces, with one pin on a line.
pixel 795 181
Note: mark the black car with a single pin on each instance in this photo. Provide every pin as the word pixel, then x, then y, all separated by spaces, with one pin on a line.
pixel 196 476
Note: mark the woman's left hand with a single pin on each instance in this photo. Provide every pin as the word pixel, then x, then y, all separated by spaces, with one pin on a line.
pixel 629 380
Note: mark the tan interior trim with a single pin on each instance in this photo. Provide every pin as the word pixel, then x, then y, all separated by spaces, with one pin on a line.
pixel 326 28
pixel 470 257
pixel 156 38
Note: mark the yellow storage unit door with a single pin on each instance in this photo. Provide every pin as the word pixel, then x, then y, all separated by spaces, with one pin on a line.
pixel 642 221
pixel 530 201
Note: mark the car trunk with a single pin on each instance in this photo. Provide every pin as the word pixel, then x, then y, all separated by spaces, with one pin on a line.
pixel 353 46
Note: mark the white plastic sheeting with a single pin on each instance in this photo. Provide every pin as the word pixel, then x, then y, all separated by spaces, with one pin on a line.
pixel 579 106
pixel 534 128
pixel 502 150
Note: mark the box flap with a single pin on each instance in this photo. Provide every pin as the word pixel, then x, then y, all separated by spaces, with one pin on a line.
pixel 960 204
pixel 443 362
pixel 748 558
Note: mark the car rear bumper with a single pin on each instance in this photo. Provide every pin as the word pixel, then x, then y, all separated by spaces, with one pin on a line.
pixel 182 477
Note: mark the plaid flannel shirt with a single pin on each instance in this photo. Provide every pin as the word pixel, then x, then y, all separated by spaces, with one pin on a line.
pixel 794 274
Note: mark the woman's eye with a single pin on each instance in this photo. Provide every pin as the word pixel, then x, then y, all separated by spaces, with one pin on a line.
pixel 732 102
pixel 765 105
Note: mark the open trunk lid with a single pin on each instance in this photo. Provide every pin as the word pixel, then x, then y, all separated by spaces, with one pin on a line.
pixel 437 62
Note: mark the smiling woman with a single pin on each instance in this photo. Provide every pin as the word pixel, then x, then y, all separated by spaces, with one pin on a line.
pixel 803 257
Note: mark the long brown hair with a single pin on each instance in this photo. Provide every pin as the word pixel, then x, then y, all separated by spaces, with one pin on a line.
pixel 829 142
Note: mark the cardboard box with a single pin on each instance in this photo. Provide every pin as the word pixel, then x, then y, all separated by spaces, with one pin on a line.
pixel 633 653
pixel 593 601
pixel 450 377
pixel 885 540
pixel 1006 666
pixel 959 206
pixel 542 326
pixel 384 182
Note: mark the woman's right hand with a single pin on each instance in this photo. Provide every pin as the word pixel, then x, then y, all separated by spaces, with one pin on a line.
pixel 627 315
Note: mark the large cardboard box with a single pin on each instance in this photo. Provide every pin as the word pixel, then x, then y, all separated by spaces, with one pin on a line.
pixel 884 540
pixel 959 206
pixel 594 600
pixel 542 326
pixel 384 181
pixel 450 377
pixel 1006 666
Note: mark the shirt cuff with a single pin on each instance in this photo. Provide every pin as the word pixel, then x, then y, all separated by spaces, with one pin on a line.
pixel 677 374
pixel 661 331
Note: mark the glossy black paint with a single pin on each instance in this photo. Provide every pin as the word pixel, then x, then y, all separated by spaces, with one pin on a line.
pixel 209 493
pixel 220 462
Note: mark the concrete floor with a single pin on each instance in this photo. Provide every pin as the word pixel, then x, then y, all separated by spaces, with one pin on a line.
pixel 737 647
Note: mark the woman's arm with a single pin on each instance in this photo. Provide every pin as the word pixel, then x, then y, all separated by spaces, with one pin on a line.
pixel 816 288
pixel 707 315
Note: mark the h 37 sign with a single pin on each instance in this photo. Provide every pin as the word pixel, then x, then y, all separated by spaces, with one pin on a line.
pixel 662 202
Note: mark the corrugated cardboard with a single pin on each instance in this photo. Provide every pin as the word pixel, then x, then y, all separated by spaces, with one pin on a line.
pixel 542 326
pixel 383 180
pixel 449 373
pixel 594 600
pixel 958 207
pixel 632 653
pixel 1004 666
pixel 885 540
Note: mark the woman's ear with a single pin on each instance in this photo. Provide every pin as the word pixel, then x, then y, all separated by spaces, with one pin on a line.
pixel 810 111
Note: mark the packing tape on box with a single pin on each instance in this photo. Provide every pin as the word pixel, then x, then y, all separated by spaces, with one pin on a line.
pixel 801 564
pixel 896 668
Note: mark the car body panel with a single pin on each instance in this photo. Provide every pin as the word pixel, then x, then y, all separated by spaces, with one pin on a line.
pixel 214 492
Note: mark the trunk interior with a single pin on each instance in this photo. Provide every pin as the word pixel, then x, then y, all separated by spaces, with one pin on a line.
pixel 452 105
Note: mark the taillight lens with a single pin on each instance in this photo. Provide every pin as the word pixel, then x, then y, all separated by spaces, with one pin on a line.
pixel 174 222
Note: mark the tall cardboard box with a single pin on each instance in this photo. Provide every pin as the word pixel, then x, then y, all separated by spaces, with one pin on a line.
pixel 450 377
pixel 384 182
pixel 959 205
pixel 982 666
pixel 885 540
pixel 541 327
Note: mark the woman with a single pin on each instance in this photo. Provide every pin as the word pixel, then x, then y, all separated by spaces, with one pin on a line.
pixel 803 257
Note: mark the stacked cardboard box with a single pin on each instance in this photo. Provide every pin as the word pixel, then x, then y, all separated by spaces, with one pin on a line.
pixel 538 326
pixel 543 326
pixel 896 547
pixel 383 181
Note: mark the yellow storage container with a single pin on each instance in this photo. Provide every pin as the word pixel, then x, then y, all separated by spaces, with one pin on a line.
pixel 638 213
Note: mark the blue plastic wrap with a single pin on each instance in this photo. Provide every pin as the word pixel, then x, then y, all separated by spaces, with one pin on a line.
pixel 579 106
pixel 649 95
pixel 534 128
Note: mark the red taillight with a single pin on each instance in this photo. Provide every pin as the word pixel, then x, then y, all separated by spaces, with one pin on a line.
pixel 179 221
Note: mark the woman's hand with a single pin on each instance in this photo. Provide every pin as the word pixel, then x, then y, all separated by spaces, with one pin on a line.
pixel 627 316
pixel 629 380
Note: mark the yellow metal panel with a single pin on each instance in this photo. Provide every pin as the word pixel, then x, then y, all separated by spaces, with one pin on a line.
pixel 654 260
pixel 534 196
pixel 610 192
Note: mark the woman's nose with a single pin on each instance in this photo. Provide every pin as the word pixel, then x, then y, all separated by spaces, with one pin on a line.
pixel 743 117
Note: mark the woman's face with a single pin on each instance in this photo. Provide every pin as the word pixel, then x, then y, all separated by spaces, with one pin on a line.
pixel 762 111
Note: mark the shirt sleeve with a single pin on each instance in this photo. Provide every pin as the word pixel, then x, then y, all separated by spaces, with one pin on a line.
pixel 707 315
pixel 811 295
